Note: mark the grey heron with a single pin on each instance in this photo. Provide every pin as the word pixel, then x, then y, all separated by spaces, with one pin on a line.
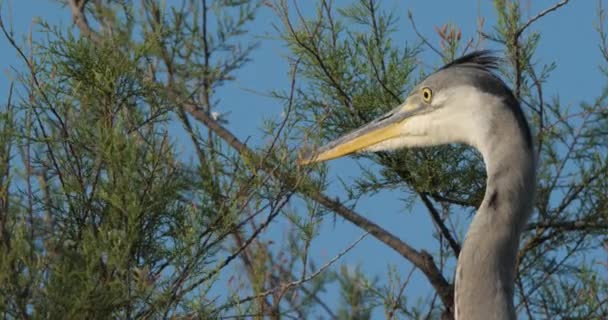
pixel 466 102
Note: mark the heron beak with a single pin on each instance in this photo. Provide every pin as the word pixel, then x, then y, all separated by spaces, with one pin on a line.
pixel 382 129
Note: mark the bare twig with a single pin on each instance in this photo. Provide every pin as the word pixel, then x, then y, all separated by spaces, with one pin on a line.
pixel 312 295
pixel 289 285
pixel 437 51
pixel 517 47
pixel 395 303
pixel 77 7
pixel 5 158
pixel 439 223
pixel 569 225
pixel 178 294
pixel 439 197
pixel 540 15
pixel 249 266
pixel 541 108
pixel 524 297
pixel 313 51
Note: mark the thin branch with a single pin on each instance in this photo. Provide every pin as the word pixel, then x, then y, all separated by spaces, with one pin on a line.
pixel 286 286
pixel 439 223
pixel 540 15
pixel 541 107
pixel 310 293
pixel 569 225
pixel 437 51
pixel 524 298
pixel 316 55
pixel 380 77
pixel 77 7
pixel 176 295
pixel 395 303
pixel 249 266
pixel 5 237
pixel 438 197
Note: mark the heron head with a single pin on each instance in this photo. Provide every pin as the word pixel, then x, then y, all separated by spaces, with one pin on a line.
pixel 460 103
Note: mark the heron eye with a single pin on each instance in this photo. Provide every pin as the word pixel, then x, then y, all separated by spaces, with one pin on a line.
pixel 427 94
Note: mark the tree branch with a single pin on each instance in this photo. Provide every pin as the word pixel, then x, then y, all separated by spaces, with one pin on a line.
pixel 568 225
pixel 437 51
pixel 439 223
pixel 540 15
pixel 289 285
pixel 77 7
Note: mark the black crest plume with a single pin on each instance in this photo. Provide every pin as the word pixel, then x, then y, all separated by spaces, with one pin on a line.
pixel 483 59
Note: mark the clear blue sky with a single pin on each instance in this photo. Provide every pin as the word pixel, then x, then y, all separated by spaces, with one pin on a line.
pixel 568 38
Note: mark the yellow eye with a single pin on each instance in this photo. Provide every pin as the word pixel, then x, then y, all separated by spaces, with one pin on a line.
pixel 427 94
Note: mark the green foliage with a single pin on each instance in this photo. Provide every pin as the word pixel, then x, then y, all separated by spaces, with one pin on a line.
pixel 356 294
pixel 106 211
pixel 106 220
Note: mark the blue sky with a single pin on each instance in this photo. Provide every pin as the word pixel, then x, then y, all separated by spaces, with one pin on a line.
pixel 568 38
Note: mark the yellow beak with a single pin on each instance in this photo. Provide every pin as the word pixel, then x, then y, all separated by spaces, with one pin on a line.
pixel 385 128
pixel 347 144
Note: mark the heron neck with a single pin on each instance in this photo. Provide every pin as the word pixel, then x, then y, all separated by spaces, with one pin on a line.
pixel 486 266
pixel 510 185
